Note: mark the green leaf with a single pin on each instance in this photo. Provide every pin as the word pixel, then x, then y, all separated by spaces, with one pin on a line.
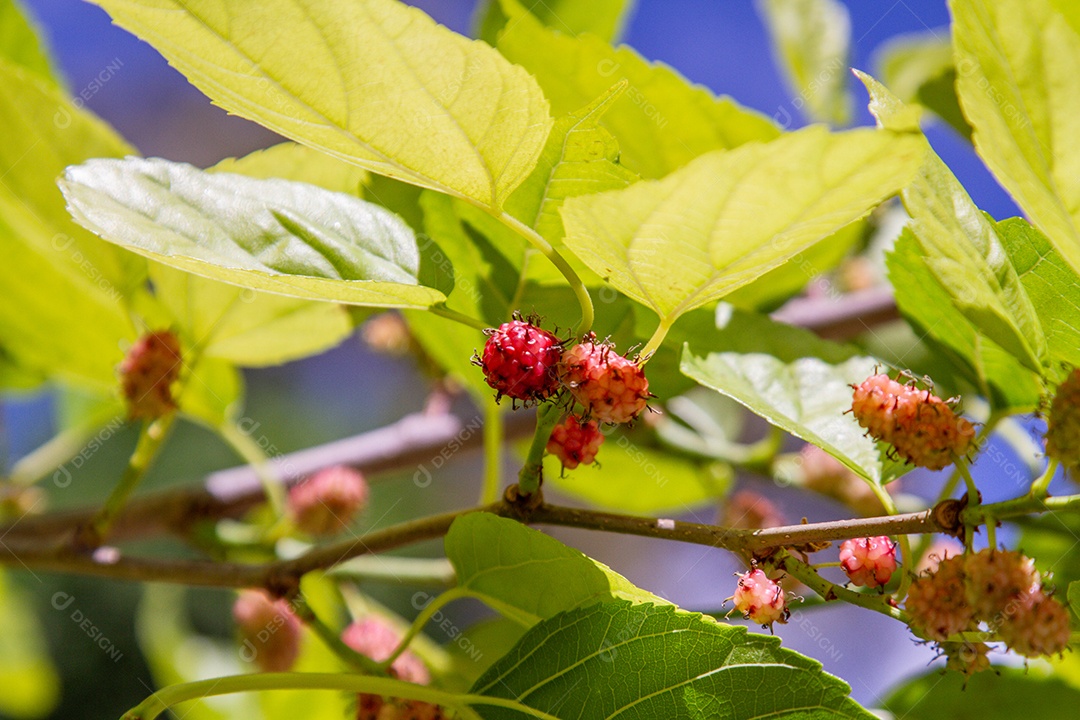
pixel 581 157
pixel 633 477
pixel 811 39
pixel 780 284
pixel 1017 83
pixel 44 133
pixel 800 384
pixel 21 42
pixel 661 122
pixel 290 161
pixel 962 248
pixel 479 647
pixel 31 684
pixel 1051 284
pixel 529 576
pixel 274 235
pixel 373 82
pixel 1073 598
pixel 657 662
pixel 1005 694
pixel 606 19
pixel 245 327
pixel 927 304
pixel 918 68
pixel 56 323
pixel 717 224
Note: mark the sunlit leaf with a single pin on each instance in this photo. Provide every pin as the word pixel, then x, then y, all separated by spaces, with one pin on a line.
pixel 374 82
pixel 715 225
pixel 661 122
pixel 285 237
pixel 811 38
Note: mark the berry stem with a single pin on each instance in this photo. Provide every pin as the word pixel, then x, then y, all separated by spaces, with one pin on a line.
pixel 808 576
pixel 973 500
pixel 440 601
pixel 333 640
pixel 657 338
pixel 167 697
pixel 560 263
pixel 151 438
pixel 887 502
pixel 532 471
pixel 65 445
pixel 1041 485
pixel 252 453
pixel 493 453
pixel 458 317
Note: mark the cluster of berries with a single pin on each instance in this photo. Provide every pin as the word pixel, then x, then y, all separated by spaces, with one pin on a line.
pixel 1063 424
pixel 147 373
pixel 998 588
pixel 270 635
pixel 869 561
pixel 529 364
pixel 921 427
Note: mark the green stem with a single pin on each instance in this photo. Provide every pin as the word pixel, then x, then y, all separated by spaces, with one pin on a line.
pixel 806 574
pixel 887 502
pixel 458 317
pixel 493 453
pixel 560 263
pixel 973 499
pixel 151 438
pixel 421 620
pixel 333 640
pixel 657 338
pixel 532 471
pixel 64 446
pixel 167 697
pixel 252 453
pixel 394 569
pixel 1042 483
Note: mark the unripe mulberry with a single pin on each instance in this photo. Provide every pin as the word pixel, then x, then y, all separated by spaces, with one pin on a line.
pixel 147 374
pixel 760 599
pixel 920 426
pixel 575 442
pixel 1039 625
pixel 611 388
pixel 373 637
pixel 937 603
pixel 747 510
pixel 327 501
pixel 824 474
pixel 269 630
pixel 869 562
pixel 1063 424
pixel 519 361
pixel 995 578
pixel 967 658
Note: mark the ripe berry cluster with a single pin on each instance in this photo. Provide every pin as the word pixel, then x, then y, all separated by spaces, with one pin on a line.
pixel 526 363
pixel 999 589
pixel 921 427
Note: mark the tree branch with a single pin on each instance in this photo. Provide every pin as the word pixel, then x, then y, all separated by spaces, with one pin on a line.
pixel 413 441
pixel 283 577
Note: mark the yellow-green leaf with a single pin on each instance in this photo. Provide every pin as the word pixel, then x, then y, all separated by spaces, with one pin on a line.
pixel 374 82
pixel 731 216
pixel 661 121
pixel 811 38
pixel 291 161
pixel 962 248
pixel 274 235
pixel 20 41
pixel 31 687
pixel 1016 64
